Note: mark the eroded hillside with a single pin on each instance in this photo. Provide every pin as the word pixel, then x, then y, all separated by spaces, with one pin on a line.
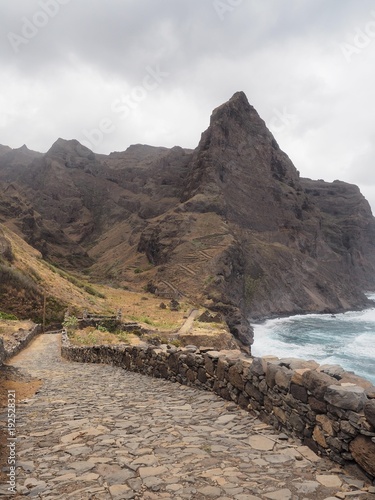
pixel 230 225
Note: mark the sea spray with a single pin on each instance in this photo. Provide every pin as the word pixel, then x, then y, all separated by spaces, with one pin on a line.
pixel 346 339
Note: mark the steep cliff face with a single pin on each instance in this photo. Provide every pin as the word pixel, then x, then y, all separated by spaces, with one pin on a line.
pixel 347 225
pixel 269 245
pixel 231 225
pixel 239 165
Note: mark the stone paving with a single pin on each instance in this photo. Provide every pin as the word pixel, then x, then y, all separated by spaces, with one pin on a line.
pixel 99 432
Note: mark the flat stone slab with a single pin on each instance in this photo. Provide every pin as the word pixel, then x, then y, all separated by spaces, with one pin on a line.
pixel 225 419
pixel 152 471
pixel 210 491
pixel 308 454
pixel 119 491
pixel 261 443
pixel 329 481
pixel 145 460
pixel 82 466
pixel 308 487
pixel 283 494
pixel 279 458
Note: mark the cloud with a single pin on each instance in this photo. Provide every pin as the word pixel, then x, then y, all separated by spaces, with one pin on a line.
pixel 291 59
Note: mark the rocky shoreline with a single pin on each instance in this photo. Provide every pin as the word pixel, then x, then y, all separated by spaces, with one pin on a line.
pixel 257 320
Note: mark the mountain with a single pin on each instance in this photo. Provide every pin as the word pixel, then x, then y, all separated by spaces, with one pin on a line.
pixel 25 279
pixel 230 225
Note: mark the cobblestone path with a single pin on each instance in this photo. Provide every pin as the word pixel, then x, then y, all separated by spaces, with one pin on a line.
pixel 99 432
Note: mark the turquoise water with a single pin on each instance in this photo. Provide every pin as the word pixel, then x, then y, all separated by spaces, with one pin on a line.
pixel 346 339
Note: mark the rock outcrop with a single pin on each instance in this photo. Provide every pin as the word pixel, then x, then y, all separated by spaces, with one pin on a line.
pixel 267 243
pixel 231 225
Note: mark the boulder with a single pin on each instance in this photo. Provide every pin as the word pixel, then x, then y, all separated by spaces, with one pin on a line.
pixel 319 437
pixel 349 397
pixel 299 392
pixel 363 450
pixel 235 377
pixel 326 424
pixel 335 371
pixel 283 377
pixel 297 375
pixel 208 317
pixel 317 383
pixel 174 305
pixel 370 411
pixel 257 367
pixel 298 364
pixel 271 371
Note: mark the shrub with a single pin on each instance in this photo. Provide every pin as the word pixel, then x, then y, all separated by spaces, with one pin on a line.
pixel 89 289
pixel 109 325
pixel 71 323
pixel 250 288
pixel 175 342
pixel 6 316
pixel 123 336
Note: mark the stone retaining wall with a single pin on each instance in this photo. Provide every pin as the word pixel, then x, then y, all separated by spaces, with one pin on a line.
pixel 331 410
pixel 19 341
pixel 2 351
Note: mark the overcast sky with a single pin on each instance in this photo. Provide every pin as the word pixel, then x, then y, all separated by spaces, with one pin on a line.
pixel 111 73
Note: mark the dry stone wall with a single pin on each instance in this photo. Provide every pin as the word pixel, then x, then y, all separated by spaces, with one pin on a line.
pixel 18 342
pixel 331 410
pixel 2 351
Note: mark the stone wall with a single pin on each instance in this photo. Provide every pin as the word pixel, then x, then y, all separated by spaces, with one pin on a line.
pixel 19 341
pixel 2 352
pixel 331 410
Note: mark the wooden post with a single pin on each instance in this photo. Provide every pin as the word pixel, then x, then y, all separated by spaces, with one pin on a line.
pixel 44 312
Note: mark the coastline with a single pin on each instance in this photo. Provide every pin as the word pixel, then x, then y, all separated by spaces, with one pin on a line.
pixel 343 339
pixel 370 304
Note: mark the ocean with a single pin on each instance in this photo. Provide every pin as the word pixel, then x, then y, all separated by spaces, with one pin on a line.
pixel 346 339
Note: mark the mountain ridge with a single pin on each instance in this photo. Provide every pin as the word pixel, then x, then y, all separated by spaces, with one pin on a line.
pixel 231 224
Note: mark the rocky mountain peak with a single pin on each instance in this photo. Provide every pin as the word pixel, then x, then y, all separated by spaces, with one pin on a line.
pixel 236 120
pixel 4 150
pixel 239 164
pixel 66 149
pixel 23 149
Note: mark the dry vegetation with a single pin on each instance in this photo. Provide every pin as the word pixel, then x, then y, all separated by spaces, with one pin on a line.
pixel 93 336
pixel 77 293
pixel 144 308
pixel 64 289
pixel 9 327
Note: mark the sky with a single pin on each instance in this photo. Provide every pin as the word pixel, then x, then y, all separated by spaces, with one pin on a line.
pixel 119 72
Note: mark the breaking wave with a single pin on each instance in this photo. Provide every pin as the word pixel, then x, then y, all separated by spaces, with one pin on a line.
pixel 346 339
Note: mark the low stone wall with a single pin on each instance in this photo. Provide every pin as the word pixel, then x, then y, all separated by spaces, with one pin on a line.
pixel 331 410
pixel 19 341
pixel 2 352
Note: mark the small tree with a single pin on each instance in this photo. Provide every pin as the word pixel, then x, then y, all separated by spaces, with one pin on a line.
pixel 71 324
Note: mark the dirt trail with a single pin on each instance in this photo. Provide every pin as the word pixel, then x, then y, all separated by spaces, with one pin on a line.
pixel 188 325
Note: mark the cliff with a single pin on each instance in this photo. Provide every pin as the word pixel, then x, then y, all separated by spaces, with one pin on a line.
pixel 230 225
